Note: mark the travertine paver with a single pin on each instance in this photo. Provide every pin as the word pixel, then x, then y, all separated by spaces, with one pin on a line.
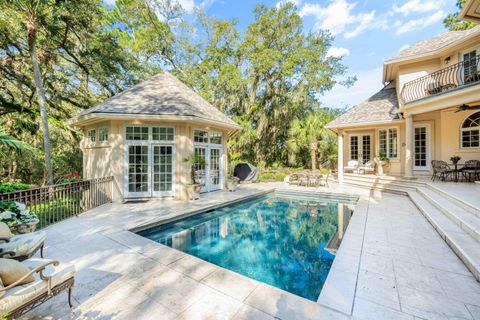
pixel 392 265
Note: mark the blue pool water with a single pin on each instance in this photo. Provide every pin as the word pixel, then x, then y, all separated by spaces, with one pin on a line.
pixel 277 239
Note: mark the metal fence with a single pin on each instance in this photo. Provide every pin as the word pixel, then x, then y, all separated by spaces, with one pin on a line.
pixel 458 75
pixel 58 202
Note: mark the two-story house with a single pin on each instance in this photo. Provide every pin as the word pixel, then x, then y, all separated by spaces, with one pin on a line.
pixel 428 110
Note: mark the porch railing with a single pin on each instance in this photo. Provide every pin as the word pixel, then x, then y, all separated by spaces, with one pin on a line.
pixel 58 202
pixel 456 76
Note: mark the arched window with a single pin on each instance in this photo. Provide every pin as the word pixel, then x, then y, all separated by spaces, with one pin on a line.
pixel 471 131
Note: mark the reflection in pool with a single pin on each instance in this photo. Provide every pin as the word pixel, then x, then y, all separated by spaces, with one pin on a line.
pixel 287 241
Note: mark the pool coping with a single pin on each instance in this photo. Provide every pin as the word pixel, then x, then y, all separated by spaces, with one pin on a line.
pixel 339 288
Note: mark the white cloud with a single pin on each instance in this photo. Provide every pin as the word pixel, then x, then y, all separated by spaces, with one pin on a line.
pixel 417 6
pixel 415 24
pixel 187 5
pixel 338 52
pixel 368 83
pixel 338 18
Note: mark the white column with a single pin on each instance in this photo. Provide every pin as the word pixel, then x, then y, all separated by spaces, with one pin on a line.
pixel 408 146
pixel 340 156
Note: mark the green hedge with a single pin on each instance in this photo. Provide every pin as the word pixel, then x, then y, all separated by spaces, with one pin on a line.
pixel 6 187
pixel 272 176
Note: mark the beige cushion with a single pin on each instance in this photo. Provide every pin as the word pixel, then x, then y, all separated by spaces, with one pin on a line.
pixel 21 295
pixel 24 244
pixel 5 231
pixel 12 270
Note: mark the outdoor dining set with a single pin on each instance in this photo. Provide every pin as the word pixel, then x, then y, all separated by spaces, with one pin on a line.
pixel 309 178
pixel 469 171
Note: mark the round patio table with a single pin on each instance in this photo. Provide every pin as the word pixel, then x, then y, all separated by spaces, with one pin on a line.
pixel 456 171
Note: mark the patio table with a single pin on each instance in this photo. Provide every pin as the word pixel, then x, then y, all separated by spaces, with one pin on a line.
pixel 456 171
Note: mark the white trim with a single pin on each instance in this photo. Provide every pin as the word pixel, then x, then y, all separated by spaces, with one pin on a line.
pixel 462 129
pixel 208 146
pixel 360 146
pixel 388 142
pixel 428 147
pixel 108 135
pixel 89 141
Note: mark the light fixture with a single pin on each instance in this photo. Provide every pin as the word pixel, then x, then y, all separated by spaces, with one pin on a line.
pixel 447 60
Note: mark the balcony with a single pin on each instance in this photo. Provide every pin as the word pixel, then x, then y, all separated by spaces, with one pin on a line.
pixel 454 77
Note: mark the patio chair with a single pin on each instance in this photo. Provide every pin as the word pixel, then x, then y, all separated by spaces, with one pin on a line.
pixel 293 179
pixel 50 278
pixel 441 170
pixel 324 179
pixel 21 246
pixel 314 180
pixel 352 166
pixel 368 167
pixel 303 180
pixel 471 168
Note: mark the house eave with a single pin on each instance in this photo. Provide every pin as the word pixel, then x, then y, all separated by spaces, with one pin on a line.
pixel 90 118
pixel 469 13
pixel 362 124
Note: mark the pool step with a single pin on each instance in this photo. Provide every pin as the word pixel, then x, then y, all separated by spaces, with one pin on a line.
pixel 460 202
pixel 466 220
pixel 465 246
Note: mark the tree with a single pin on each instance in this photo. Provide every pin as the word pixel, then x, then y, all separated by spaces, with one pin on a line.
pixel 307 133
pixel 452 22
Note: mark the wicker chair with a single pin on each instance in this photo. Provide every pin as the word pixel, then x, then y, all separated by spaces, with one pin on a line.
pixel 441 170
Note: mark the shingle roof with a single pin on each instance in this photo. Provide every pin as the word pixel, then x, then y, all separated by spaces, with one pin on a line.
pixel 162 94
pixel 381 107
pixel 435 43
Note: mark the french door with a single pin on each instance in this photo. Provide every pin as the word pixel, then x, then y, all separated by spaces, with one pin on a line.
pixel 208 147
pixel 422 147
pixel 361 148
pixel 162 170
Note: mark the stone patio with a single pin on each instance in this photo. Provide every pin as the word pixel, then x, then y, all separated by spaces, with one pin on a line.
pixel 392 264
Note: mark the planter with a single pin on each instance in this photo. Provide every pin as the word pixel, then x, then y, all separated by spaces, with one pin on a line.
pixel 382 167
pixel 193 191
pixel 24 227
pixel 232 184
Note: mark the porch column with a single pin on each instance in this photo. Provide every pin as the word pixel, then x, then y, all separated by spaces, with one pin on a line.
pixel 340 156
pixel 408 146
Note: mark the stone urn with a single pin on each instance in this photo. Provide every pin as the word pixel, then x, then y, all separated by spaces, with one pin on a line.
pixel 232 183
pixel 193 191
pixel 25 227
pixel 382 166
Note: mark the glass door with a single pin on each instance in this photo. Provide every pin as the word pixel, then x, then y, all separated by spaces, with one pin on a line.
pixel 366 152
pixel 214 169
pixel 201 168
pixel 162 170
pixel 421 145
pixel 138 173
pixel 361 148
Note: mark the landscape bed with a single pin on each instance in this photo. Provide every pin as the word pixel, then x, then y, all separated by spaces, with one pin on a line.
pixel 287 240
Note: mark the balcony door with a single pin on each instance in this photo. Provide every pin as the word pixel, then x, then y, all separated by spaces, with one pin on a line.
pixel 421 141
pixel 361 148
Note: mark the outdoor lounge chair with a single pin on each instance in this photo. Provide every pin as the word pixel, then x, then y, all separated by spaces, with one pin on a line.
pixel 22 246
pixel 368 167
pixel 51 278
pixel 352 166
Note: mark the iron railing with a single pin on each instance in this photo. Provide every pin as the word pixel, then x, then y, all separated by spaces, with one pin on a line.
pixel 456 76
pixel 58 202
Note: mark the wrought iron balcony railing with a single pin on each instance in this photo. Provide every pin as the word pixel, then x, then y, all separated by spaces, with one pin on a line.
pixel 456 76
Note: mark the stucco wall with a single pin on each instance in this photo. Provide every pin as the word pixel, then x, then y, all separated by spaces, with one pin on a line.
pixel 108 159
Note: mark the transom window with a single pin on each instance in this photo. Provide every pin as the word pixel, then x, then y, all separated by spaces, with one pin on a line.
pixel 388 142
pixel 215 137
pixel 162 134
pixel 200 136
pixel 471 131
pixel 137 133
pixel 92 135
pixel 103 134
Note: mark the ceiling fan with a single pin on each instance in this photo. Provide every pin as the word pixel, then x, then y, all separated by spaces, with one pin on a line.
pixel 466 107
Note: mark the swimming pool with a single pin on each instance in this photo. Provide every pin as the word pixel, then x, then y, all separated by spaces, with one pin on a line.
pixel 285 240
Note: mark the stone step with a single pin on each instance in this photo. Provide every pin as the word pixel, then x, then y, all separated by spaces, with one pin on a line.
pixel 383 188
pixel 466 247
pixel 393 184
pixel 467 206
pixel 385 180
pixel 466 220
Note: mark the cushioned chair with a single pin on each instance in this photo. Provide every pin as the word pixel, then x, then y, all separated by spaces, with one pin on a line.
pixel 352 166
pixel 50 278
pixel 21 246
pixel 367 167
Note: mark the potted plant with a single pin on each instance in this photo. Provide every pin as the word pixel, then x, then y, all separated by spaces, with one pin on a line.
pixel 232 183
pixel 17 217
pixel 382 161
pixel 193 188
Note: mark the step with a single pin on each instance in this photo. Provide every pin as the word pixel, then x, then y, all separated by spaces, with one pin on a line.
pixel 366 185
pixel 467 206
pixel 384 179
pixel 393 184
pixel 466 220
pixel 465 246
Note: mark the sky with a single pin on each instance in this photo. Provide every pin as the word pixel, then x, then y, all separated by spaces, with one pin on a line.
pixel 367 32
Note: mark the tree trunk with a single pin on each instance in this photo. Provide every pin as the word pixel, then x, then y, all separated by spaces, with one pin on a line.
pixel 42 101
pixel 313 158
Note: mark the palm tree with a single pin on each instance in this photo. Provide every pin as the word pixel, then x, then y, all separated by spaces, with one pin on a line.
pixel 12 142
pixel 307 133
pixel 34 13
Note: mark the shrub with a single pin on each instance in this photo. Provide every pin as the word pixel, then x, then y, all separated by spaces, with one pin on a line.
pixel 13 186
